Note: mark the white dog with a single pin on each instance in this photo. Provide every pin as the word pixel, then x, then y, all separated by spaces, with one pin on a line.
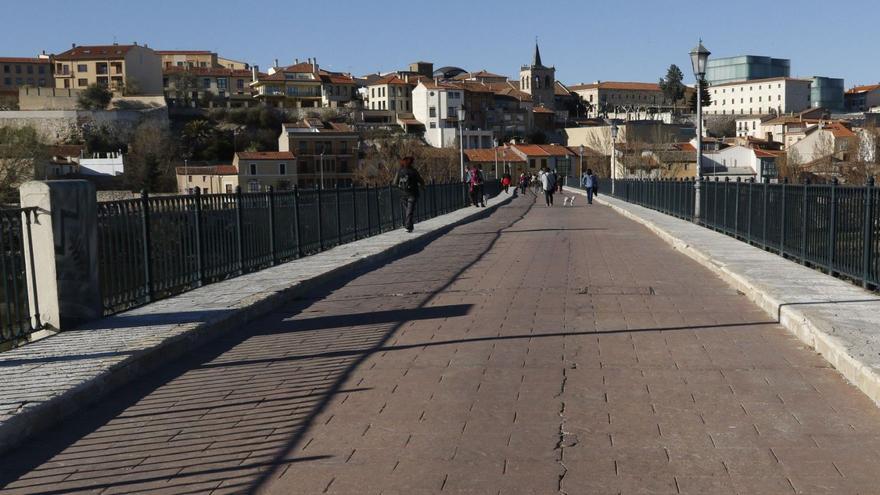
pixel 569 201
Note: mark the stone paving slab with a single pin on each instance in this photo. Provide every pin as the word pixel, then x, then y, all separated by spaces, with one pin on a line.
pixel 45 381
pixel 516 354
pixel 841 321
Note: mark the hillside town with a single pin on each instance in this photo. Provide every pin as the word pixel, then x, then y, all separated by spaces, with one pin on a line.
pixel 133 117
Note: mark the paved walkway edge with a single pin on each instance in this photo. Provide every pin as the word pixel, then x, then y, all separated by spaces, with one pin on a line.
pixel 847 338
pixel 41 415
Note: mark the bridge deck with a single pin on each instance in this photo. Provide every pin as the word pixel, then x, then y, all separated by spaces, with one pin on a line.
pixel 562 350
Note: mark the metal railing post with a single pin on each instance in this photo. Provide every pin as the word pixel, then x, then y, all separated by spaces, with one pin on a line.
pixel 369 215
pixel 750 186
pixel 391 203
pixel 296 223
pixel 736 208
pixel 36 324
pixel 200 260
pixel 354 218
pixel 764 201
pixel 832 227
pixel 804 221
pixel 782 221
pixel 867 248
pixel 145 235
pixel 272 249
pixel 320 219
pixel 239 227
pixel 338 215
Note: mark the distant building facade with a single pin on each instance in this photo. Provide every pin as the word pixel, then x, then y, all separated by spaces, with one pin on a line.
pixel 745 68
pixel 258 170
pixel 758 97
pixel 131 68
pixel 326 152
pixel 862 98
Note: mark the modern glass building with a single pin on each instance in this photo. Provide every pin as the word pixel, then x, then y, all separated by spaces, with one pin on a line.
pixel 827 92
pixel 745 68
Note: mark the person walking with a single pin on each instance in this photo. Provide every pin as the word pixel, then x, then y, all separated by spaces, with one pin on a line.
pixel 588 182
pixel 475 186
pixel 523 182
pixel 505 183
pixel 410 183
pixel 548 184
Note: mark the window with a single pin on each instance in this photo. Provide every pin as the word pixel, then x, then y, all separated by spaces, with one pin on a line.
pixel 432 112
pixel 30 69
pixel 450 112
pixel 253 169
pixel 303 147
pixel 7 81
pixel 42 82
pixel 82 82
pixel 18 69
pixel 253 186
pixel 6 69
pixel 282 169
pixel 393 106
pixel 82 68
pixel 433 125
pixel 343 147
pixel 206 83
pixel 221 83
pixel 189 178
pixel 240 84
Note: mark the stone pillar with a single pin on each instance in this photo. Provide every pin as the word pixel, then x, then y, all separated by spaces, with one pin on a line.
pixel 65 244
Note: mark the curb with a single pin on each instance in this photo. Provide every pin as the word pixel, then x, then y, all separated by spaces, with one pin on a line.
pixel 19 427
pixel 806 328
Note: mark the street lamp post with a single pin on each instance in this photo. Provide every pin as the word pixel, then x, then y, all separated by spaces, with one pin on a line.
pixel 322 169
pixel 461 116
pixel 613 157
pixel 581 164
pixel 495 146
pixel 699 56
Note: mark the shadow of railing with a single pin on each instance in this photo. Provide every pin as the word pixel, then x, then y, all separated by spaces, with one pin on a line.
pixel 232 413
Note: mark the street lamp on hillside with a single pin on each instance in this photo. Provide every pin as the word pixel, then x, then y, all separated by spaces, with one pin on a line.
pixel 699 57
pixel 461 117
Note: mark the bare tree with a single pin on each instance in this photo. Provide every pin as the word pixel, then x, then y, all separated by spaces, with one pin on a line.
pixel 149 164
pixel 22 150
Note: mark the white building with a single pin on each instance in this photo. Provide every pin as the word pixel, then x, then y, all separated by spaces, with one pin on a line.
pixel 102 164
pixel 777 95
pixel 436 106
pixel 749 126
pixel 739 161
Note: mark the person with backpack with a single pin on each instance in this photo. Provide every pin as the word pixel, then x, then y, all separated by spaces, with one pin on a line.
pixel 410 183
pixel 505 183
pixel 548 184
pixel 475 186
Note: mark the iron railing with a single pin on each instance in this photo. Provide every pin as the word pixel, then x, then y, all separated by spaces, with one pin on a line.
pixel 154 247
pixel 16 320
pixel 830 227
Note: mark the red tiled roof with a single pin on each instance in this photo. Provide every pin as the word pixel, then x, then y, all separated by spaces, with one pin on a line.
pixel 389 79
pixel 265 155
pixel 839 130
pixel 542 109
pixel 477 75
pixel 531 150
pixel 335 77
pixel 23 60
pixel 625 86
pixel 556 150
pixel 207 170
pixel 95 51
pixel 863 89
pixel 505 154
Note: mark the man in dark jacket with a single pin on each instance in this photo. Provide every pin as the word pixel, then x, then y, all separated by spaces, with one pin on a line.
pixel 410 183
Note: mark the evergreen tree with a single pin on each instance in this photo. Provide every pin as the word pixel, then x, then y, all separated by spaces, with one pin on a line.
pixel 671 85
pixel 705 98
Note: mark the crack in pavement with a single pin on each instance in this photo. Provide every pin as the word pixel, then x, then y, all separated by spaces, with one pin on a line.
pixel 566 438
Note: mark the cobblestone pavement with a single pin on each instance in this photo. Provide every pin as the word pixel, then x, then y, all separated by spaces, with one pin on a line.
pixel 540 350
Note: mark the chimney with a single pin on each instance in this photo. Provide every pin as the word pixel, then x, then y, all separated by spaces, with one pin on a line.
pixel 73 45
pixel 276 62
pixel 254 73
pixel 135 43
pixel 769 137
pixel 315 64
pixel 146 45
pixel 296 60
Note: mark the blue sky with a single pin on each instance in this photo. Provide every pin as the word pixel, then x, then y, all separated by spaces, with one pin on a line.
pixel 631 40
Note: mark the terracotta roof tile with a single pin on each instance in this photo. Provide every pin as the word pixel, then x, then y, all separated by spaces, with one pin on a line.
pixel 184 52
pixel 95 51
pixel 24 60
pixel 617 85
pixel 863 89
pixel 265 155
pixel 207 170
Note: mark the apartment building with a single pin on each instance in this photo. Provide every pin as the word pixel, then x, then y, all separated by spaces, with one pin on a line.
pixel 326 152
pixel 16 72
pixel 436 106
pixel 257 170
pixel 132 68
pixel 862 98
pixel 602 96
pixel 827 139
pixel 337 89
pixel 212 86
pixel 761 96
pixel 232 64
pixel 188 59
pixel 390 93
